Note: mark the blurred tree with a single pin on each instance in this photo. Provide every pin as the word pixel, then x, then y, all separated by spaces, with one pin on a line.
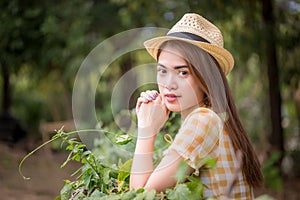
pixel 65 31
pixel 50 40
pixel 45 42
pixel 276 137
pixel 288 28
pixel 19 28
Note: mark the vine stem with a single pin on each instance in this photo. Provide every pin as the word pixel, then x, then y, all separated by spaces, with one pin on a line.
pixel 60 134
pixel 30 154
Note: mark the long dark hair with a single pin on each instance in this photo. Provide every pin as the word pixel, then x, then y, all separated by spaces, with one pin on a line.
pixel 218 95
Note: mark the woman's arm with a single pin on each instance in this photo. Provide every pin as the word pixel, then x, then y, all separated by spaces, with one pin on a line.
pixel 142 165
pixel 144 176
pixel 152 114
pixel 163 176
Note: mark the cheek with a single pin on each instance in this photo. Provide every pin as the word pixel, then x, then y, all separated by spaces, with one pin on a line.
pixel 160 88
pixel 160 81
pixel 192 91
pixel 188 86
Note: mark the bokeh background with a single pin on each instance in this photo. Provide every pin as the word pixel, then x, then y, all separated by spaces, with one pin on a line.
pixel 43 43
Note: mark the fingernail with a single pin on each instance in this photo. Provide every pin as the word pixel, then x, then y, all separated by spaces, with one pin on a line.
pixel 153 97
pixel 149 98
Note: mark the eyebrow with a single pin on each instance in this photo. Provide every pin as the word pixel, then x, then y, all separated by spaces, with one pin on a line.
pixel 176 67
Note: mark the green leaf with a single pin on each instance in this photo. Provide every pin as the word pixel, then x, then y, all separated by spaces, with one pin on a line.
pixel 87 179
pixel 76 157
pixel 195 186
pixel 95 195
pixel 150 195
pixel 106 177
pixel 145 195
pixel 123 139
pixel 168 124
pixel 272 173
pixel 58 198
pixel 110 197
pixel 69 147
pixel 81 146
pixel 86 153
pixel 141 190
pixel 181 192
pixel 124 172
pixel 210 162
pixel 65 192
pixel 128 195
pixel 181 171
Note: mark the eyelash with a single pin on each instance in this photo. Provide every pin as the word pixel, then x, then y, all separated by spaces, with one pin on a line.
pixel 180 73
pixel 161 71
pixel 183 73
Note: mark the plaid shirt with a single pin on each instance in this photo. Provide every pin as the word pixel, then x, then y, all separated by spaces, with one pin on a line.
pixel 201 136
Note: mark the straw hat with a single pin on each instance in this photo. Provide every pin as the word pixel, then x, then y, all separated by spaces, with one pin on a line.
pixel 195 29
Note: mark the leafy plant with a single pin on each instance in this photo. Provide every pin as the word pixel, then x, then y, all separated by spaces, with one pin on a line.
pixel 97 180
pixel 271 172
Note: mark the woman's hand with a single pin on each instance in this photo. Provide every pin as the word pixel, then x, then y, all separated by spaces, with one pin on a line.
pixel 152 114
pixel 151 111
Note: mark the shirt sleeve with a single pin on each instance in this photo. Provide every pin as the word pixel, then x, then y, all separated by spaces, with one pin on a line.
pixel 198 137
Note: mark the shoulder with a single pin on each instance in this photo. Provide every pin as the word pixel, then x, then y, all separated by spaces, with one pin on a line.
pixel 202 116
pixel 201 123
pixel 198 137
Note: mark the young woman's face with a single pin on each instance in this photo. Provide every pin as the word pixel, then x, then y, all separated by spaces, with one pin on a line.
pixel 177 85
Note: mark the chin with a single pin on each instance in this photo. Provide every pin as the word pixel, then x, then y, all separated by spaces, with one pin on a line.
pixel 173 108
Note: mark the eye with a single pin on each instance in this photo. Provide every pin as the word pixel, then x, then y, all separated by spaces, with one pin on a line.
pixel 183 73
pixel 161 71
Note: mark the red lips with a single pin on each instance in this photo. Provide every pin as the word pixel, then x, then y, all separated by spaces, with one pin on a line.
pixel 171 97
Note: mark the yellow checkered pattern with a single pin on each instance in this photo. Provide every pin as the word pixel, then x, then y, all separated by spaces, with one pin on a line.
pixel 201 136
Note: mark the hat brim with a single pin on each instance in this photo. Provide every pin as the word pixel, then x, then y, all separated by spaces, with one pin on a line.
pixel 222 56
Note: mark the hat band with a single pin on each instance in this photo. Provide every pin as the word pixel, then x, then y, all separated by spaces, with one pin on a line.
pixel 189 36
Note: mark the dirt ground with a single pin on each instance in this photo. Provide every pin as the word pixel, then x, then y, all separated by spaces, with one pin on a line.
pixel 47 176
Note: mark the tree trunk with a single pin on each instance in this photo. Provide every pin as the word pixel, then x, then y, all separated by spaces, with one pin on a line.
pixel 10 128
pixel 276 138
pixel 6 97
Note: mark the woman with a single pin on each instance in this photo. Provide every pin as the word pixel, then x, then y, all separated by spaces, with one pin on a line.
pixel 191 75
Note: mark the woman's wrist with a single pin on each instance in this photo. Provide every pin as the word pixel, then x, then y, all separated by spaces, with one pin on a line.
pixel 145 140
pixel 147 133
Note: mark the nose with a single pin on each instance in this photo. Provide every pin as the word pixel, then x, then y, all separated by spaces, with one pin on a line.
pixel 169 82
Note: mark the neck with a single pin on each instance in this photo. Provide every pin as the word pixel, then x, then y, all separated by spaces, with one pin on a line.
pixel 186 112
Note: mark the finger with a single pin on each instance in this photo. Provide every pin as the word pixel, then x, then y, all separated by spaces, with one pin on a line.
pixel 164 105
pixel 158 98
pixel 149 95
pixel 139 102
pixel 154 94
pixel 145 96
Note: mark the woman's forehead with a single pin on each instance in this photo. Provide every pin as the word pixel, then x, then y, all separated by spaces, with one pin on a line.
pixel 171 58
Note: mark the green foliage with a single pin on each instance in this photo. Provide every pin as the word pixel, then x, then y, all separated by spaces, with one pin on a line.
pixel 181 192
pixel 187 187
pixel 271 172
pixel 50 40
pixel 43 44
pixel 98 181
pixel 95 179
